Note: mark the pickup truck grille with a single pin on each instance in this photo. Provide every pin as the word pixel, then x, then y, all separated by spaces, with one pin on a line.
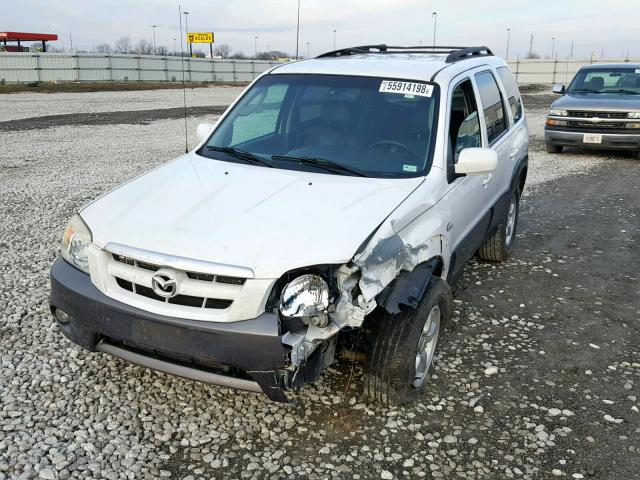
pixel 594 126
pixel 136 278
pixel 590 114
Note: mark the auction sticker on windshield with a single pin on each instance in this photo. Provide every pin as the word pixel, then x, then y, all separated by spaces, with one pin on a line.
pixel 411 88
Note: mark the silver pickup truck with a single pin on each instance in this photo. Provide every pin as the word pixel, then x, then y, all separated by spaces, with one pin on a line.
pixel 599 109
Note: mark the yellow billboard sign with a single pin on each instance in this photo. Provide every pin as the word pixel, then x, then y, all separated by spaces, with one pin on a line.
pixel 200 37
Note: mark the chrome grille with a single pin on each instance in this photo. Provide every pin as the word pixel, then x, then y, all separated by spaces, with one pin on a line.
pixel 194 301
pixel 590 114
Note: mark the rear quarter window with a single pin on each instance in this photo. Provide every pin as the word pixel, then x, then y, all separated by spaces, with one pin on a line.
pixel 494 111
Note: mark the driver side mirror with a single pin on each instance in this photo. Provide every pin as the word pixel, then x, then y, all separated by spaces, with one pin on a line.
pixel 203 130
pixel 476 161
pixel 559 89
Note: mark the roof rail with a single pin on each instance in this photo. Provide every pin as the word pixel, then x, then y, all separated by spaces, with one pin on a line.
pixel 454 53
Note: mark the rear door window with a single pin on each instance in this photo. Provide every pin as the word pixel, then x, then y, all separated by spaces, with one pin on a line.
pixel 492 106
pixel 513 94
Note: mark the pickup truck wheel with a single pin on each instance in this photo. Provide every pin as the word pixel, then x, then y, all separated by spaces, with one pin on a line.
pixel 400 359
pixel 551 148
pixel 497 248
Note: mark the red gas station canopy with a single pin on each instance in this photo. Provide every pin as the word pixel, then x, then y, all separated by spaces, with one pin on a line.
pixel 27 37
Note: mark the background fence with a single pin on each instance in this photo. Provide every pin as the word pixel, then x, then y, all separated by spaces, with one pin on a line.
pixel 547 72
pixel 92 67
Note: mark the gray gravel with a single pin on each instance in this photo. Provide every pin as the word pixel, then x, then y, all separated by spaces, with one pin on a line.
pixel 538 377
pixel 25 105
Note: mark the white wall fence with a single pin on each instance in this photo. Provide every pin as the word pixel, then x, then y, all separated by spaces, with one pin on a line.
pixel 93 67
pixel 548 72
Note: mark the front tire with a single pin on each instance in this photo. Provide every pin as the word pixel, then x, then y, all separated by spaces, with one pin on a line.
pixel 499 245
pixel 551 148
pixel 400 359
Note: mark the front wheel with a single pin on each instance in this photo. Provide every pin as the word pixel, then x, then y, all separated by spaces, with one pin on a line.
pixel 499 245
pixel 400 359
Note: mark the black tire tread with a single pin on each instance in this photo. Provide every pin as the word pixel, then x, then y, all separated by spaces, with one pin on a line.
pixel 386 379
pixel 551 148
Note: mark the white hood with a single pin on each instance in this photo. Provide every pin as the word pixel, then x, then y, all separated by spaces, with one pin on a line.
pixel 265 219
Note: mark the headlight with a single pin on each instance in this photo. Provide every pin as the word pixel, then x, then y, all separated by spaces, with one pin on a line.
pixel 75 243
pixel 306 296
pixel 633 114
pixel 558 113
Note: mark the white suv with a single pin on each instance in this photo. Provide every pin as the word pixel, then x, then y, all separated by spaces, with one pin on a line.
pixel 329 209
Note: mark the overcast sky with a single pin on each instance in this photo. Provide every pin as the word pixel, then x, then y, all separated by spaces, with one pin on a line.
pixel 594 26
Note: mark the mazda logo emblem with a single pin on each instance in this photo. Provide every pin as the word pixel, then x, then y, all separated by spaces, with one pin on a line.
pixel 164 284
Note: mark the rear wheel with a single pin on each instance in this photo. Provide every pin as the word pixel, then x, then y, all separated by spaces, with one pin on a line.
pixel 401 354
pixel 551 148
pixel 499 245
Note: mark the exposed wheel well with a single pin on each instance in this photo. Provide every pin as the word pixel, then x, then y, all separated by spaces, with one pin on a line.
pixel 522 179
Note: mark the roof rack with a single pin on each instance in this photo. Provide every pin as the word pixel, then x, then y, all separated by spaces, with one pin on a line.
pixel 455 54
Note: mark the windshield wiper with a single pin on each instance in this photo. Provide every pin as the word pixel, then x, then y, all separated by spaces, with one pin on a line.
pixel 584 90
pixel 320 162
pixel 623 90
pixel 241 154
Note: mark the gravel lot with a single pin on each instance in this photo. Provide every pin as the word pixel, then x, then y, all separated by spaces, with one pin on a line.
pixel 538 377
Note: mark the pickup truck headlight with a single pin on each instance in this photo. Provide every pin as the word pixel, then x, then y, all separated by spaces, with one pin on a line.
pixel 305 296
pixel 554 112
pixel 633 115
pixel 75 243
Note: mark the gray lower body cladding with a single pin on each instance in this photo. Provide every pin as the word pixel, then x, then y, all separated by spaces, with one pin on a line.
pixel 610 141
pixel 246 354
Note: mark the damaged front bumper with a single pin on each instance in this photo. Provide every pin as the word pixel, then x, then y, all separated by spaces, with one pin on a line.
pixel 248 355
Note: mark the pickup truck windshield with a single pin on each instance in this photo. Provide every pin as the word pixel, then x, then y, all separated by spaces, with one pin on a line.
pixel 343 125
pixel 622 80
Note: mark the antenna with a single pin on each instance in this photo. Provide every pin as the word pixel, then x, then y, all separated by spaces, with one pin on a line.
pixel 184 88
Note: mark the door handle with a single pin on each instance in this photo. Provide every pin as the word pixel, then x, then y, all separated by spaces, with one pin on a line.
pixel 486 179
pixel 513 153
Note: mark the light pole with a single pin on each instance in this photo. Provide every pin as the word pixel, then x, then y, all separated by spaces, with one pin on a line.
pixel 298 31
pixel 553 46
pixel 308 49
pixel 175 52
pixel 255 47
pixel 531 46
pixel 571 53
pixel 186 27
pixel 508 40
pixel 153 27
pixel 334 38
pixel 435 23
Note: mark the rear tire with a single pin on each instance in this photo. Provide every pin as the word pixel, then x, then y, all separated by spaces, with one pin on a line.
pixel 499 245
pixel 551 148
pixel 400 358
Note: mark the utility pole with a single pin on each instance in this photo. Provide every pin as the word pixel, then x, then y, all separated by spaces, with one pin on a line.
pixel 255 47
pixel 186 27
pixel 334 38
pixel 531 46
pixel 153 27
pixel 175 52
pixel 71 42
pixel 553 46
pixel 308 50
pixel 298 31
pixel 435 24
pixel 508 40
pixel 571 53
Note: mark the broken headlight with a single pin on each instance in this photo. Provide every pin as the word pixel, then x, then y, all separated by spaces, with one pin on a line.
pixel 305 296
pixel 75 243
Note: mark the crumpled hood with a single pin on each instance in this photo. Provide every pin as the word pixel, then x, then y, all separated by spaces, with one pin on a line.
pixel 599 101
pixel 266 219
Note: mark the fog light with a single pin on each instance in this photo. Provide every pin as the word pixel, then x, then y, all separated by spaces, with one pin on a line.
pixel 556 123
pixel 633 125
pixel 62 316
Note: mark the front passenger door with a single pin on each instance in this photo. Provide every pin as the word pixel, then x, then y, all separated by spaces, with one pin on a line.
pixel 467 221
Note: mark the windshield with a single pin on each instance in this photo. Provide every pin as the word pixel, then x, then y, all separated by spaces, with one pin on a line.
pixel 344 125
pixel 623 80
